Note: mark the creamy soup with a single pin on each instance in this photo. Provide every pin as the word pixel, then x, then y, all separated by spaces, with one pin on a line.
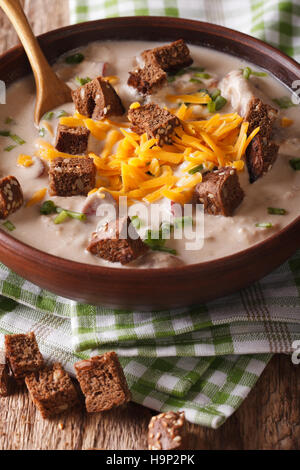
pixel 251 222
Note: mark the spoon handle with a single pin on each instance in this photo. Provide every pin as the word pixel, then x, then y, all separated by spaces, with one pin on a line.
pixel 51 91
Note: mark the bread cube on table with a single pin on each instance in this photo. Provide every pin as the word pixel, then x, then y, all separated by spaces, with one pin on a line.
pixel 11 196
pixel 52 391
pixel 98 99
pixel 72 140
pixel 23 354
pixel 158 122
pixel 71 176
pixel 4 376
pixel 116 243
pixel 170 58
pixel 102 382
pixel 166 431
pixel 220 192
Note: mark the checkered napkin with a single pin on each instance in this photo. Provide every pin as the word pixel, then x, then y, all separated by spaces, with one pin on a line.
pixel 205 360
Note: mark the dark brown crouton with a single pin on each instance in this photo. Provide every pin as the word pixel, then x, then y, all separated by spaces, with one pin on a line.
pixel 262 151
pixel 170 58
pixel 52 391
pixel 103 382
pixel 71 176
pixel 147 80
pixel 156 121
pixel 117 242
pixel 167 431
pixel 97 99
pixel 23 354
pixel 11 196
pixel 4 376
pixel 220 192
pixel 261 156
pixel 73 140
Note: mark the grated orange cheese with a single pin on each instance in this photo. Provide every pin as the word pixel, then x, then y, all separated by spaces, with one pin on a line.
pixel 135 166
pixel 37 197
pixel 25 160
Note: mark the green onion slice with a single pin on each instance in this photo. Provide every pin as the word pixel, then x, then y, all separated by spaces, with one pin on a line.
pixel 83 80
pixel 61 217
pixel 17 139
pixel 75 58
pixel 264 225
pixel 196 169
pixel 295 164
pixel 48 116
pixel 284 102
pixel 276 211
pixel 9 225
pixel 10 148
pixel 136 221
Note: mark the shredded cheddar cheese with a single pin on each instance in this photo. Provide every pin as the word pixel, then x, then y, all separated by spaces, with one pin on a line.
pixel 37 197
pixel 286 122
pixel 135 166
pixel 25 160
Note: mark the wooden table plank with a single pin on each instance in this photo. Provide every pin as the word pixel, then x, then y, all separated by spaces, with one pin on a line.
pixel 268 419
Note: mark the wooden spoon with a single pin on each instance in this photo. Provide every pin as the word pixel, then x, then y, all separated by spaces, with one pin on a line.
pixel 51 90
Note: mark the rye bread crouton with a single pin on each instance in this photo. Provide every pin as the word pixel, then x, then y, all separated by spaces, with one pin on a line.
pixel 147 80
pixel 166 431
pixel 52 390
pixel 98 99
pixel 262 151
pixel 71 176
pixel 11 196
pixel 117 242
pixel 72 140
pixel 157 122
pixel 102 382
pixel 23 354
pixel 220 192
pixel 170 58
pixel 4 376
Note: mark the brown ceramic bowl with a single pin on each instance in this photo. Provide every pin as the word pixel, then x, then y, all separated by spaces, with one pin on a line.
pixel 159 288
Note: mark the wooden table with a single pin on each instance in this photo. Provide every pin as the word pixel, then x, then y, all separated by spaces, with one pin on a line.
pixel 268 419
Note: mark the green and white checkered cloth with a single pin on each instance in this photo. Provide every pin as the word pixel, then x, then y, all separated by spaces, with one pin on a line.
pixel 205 360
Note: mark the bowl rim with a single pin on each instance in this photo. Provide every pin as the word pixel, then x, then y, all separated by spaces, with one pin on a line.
pixel 63 264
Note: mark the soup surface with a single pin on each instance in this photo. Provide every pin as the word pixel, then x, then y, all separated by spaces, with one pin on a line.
pixel 252 220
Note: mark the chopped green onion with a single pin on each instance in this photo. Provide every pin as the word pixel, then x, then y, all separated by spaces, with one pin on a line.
pixel 5 133
pixel 9 148
pixel 75 58
pixel 284 102
pixel 61 113
pixel 136 221
pixel 195 80
pixel 203 75
pixel 180 222
pixel 181 72
pixel 72 214
pixel 61 217
pixel 204 90
pixel 17 139
pixel 42 132
pixel 9 120
pixel 247 72
pixel 276 211
pixel 195 69
pixel 211 107
pixel 48 116
pixel 48 207
pixel 171 78
pixel 214 95
pixel 264 225
pixel 220 102
pixel 295 164
pixel 83 81
pixel 196 169
pixel 9 225
pixel 156 241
